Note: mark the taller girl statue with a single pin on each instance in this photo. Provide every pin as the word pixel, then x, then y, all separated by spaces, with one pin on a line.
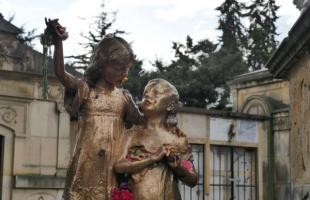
pixel 102 108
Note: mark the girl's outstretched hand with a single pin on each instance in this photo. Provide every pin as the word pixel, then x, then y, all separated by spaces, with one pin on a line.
pixel 54 32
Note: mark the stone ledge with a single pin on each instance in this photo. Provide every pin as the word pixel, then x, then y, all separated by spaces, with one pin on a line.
pixel 39 182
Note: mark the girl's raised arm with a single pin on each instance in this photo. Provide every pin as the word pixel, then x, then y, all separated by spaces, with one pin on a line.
pixel 55 34
pixel 67 79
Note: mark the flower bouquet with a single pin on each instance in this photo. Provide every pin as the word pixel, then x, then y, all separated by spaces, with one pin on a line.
pixel 123 192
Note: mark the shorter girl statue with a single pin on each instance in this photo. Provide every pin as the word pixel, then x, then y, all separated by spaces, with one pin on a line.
pixel 158 154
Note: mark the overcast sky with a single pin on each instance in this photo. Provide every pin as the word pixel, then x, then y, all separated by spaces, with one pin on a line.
pixel 152 24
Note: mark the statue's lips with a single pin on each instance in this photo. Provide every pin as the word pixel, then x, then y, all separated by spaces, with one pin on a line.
pixel 148 102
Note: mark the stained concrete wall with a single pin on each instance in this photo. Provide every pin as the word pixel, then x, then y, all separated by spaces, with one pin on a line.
pixel 300 126
pixel 281 162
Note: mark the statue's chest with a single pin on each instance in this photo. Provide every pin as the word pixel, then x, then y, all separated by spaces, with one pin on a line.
pixel 153 141
pixel 105 102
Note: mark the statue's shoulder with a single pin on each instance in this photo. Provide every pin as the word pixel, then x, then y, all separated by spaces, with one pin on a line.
pixel 126 93
pixel 178 132
pixel 135 130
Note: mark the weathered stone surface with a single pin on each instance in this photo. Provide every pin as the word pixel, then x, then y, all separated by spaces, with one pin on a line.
pixel 281 121
pixel 282 142
pixel 64 125
pixel 283 192
pixel 193 124
pixel 301 192
pixel 39 181
pixel 282 172
pixel 259 83
pixel 300 120
pixel 48 156
pixel 64 153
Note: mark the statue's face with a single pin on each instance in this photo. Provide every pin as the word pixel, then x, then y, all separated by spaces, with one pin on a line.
pixel 115 73
pixel 156 98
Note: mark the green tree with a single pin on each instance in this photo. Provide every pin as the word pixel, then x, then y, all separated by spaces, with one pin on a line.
pixel 262 32
pixel 195 88
pixel 228 61
pixel 101 26
pixel 200 71
pixel 233 31
pixel 137 79
pixel 27 37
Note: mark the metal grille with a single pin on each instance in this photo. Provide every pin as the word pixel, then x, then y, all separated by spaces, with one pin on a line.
pixel 233 173
pixel 197 192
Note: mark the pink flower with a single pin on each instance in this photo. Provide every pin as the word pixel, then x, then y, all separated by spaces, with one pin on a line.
pixel 187 165
pixel 121 194
pixel 116 194
pixel 126 195
pixel 128 157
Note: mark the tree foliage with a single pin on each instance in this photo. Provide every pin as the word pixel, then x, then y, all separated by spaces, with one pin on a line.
pixel 233 34
pixel 200 70
pixel 194 74
pixel 261 33
pixel 27 37
pixel 137 79
pixel 101 26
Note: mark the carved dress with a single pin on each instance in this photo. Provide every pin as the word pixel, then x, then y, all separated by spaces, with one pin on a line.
pixel 157 181
pixel 101 117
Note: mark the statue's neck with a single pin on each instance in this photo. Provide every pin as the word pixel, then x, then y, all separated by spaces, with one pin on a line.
pixel 155 122
pixel 103 84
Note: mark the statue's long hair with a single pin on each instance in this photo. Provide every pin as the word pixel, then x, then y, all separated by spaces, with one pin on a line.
pixel 110 50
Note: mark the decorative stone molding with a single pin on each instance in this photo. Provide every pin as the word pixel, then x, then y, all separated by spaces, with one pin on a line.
pixel 260 102
pixel 263 105
pixel 8 114
pixel 41 196
pixel 281 121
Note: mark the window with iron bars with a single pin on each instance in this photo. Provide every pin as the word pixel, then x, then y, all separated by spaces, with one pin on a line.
pixel 197 192
pixel 232 173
